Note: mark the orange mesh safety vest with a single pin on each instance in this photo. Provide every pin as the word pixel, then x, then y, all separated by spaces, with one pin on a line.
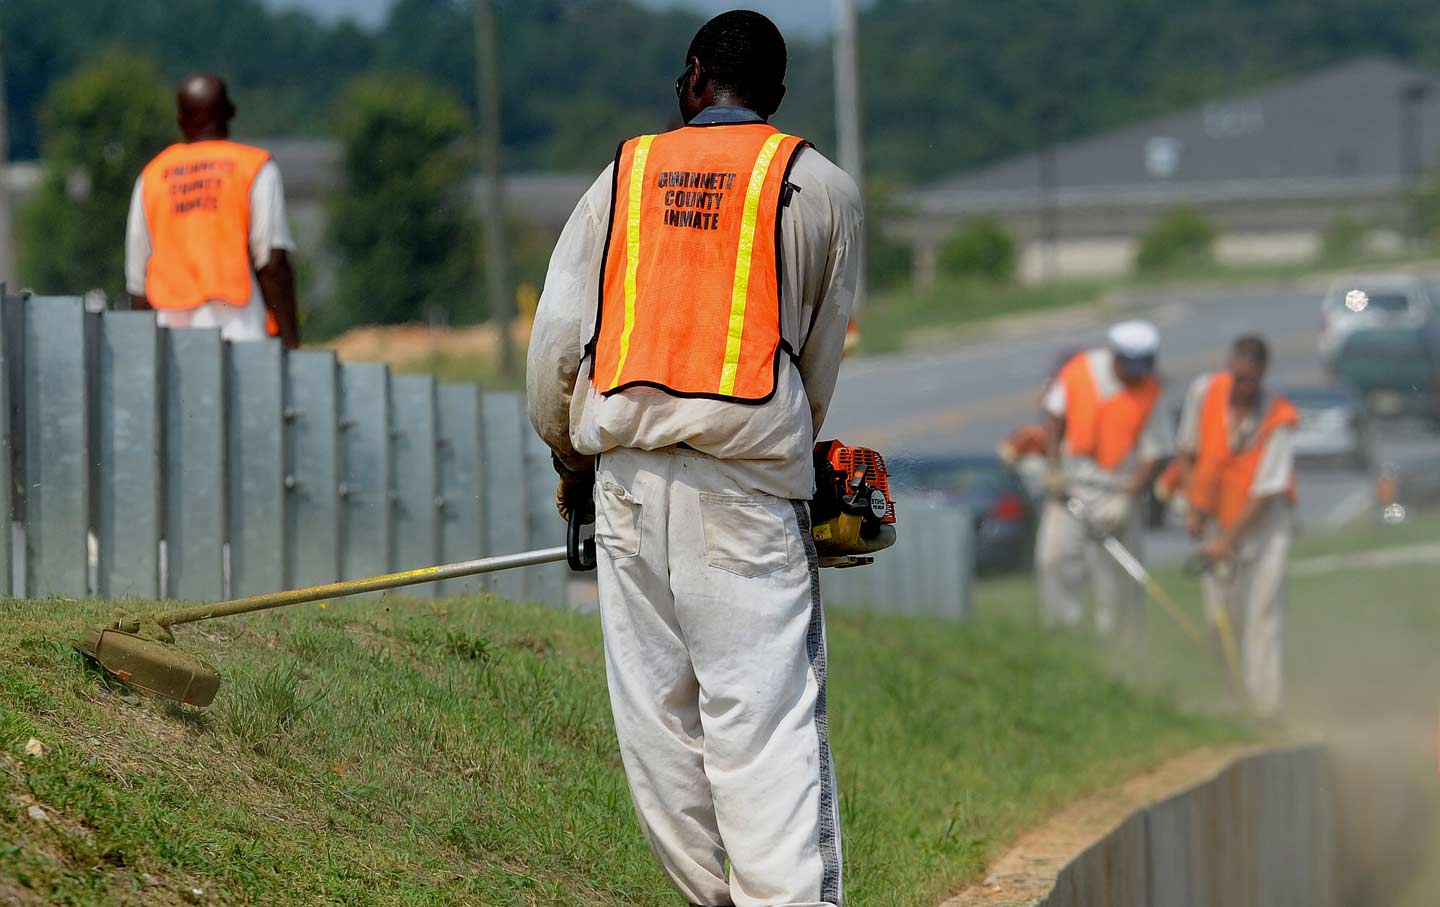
pixel 690 282
pixel 1222 477
pixel 1106 430
pixel 197 207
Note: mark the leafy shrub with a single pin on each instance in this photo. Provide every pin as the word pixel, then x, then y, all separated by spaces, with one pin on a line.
pixel 982 248
pixel 1183 237
pixel 1343 240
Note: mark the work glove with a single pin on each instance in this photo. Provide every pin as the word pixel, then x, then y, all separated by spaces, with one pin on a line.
pixel 575 493
pixel 1112 514
pixel 1055 481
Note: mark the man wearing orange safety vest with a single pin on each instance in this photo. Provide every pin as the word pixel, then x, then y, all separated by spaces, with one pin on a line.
pixel 1106 433
pixel 206 244
pixel 682 360
pixel 1239 442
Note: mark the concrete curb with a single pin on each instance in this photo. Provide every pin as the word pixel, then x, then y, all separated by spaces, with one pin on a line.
pixel 1234 828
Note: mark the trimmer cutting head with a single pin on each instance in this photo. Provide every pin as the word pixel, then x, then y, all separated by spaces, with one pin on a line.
pixel 151 665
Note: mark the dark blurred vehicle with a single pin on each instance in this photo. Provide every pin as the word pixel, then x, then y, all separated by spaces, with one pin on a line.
pixel 1334 426
pixel 1393 370
pixel 1386 345
pixel 1005 516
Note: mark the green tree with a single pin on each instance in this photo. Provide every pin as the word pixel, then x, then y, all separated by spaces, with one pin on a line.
pixel 1181 238
pixel 982 248
pixel 401 223
pixel 101 126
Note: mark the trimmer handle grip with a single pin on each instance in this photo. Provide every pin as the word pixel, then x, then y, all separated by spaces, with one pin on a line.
pixel 579 548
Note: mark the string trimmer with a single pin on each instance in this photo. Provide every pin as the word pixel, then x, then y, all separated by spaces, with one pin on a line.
pixel 853 513
pixel 140 649
pixel 1136 570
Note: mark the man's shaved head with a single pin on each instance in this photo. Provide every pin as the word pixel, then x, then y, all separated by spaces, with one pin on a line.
pixel 204 107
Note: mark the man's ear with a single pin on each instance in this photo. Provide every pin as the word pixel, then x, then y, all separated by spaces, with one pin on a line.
pixel 698 77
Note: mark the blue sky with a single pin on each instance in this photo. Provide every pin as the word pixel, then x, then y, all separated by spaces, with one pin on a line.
pixel 811 16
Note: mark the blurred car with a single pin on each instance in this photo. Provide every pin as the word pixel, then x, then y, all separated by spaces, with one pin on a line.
pixel 1334 426
pixel 1393 370
pixel 1391 302
pixel 1005 516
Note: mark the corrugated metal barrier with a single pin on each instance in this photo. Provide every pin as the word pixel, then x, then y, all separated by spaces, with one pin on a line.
pixel 139 461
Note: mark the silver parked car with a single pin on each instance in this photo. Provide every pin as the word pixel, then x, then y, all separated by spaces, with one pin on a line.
pixel 1334 426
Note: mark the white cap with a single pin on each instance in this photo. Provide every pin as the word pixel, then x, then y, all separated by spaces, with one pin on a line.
pixel 1134 339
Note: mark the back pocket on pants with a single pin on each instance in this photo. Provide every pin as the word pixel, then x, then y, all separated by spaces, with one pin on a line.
pixel 746 535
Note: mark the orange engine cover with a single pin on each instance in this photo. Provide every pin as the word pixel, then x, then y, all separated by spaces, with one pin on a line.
pixel 852 466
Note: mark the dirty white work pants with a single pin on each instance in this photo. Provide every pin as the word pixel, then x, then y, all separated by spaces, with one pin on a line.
pixel 1251 587
pixel 1067 560
pixel 715 655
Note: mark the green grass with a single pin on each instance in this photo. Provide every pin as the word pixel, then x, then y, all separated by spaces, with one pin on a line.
pixel 461 752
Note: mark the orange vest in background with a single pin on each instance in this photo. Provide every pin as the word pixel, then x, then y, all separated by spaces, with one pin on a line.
pixel 690 280
pixel 1106 430
pixel 1221 480
pixel 197 207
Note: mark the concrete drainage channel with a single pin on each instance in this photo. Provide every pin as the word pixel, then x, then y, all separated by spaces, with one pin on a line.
pixel 1251 827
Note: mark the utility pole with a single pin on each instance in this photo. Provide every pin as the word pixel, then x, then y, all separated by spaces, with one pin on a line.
pixel 1412 161
pixel 847 106
pixel 8 277
pixel 495 250
pixel 1048 181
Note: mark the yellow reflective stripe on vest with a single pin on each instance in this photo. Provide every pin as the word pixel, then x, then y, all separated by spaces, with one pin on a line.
pixel 632 248
pixel 740 294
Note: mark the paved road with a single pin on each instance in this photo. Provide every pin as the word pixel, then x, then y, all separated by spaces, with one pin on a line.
pixel 967 398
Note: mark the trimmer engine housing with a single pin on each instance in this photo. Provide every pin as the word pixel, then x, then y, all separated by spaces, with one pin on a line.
pixel 852 497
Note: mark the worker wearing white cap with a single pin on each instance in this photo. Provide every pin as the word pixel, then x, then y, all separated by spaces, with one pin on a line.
pixel 1105 436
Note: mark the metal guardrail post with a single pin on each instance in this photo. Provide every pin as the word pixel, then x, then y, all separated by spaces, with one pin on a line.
pixel 256 474
pixel 462 487
pixel 416 504
pixel 7 479
pixel 506 484
pixel 312 471
pixel 127 422
pixel 366 525
pixel 57 448
pixel 193 363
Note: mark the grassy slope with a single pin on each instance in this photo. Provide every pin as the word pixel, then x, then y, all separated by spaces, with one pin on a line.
pixel 405 752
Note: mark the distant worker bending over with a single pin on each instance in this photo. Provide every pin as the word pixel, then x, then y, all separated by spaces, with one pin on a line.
pixel 684 409
pixel 207 244
pixel 1106 433
pixel 1240 442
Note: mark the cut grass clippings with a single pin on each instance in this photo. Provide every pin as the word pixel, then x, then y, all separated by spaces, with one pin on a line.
pixel 394 751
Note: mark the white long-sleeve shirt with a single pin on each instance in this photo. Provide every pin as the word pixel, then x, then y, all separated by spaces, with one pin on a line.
pixel 770 444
